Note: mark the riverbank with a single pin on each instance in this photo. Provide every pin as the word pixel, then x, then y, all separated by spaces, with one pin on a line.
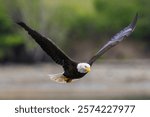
pixel 107 80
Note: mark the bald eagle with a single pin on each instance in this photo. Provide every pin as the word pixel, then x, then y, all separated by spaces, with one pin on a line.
pixel 72 69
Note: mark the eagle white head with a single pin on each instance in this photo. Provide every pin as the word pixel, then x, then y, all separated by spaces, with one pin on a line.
pixel 83 68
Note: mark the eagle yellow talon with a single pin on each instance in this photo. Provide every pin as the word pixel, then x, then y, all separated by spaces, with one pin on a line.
pixel 68 80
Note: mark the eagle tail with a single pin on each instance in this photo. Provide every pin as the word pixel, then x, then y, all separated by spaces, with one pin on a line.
pixel 60 78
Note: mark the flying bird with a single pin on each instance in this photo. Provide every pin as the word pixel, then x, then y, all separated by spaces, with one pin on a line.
pixel 72 69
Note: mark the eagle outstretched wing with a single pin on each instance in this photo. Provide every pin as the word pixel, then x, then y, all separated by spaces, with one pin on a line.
pixel 116 39
pixel 48 46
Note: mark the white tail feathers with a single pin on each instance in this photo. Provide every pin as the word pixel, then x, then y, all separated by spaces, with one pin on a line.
pixel 60 78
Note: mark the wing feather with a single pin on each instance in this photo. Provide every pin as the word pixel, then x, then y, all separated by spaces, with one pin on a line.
pixel 48 46
pixel 115 40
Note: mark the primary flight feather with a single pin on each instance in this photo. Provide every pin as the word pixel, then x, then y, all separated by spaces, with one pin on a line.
pixel 72 69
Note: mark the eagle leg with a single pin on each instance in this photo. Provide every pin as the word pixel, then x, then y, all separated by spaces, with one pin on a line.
pixel 68 80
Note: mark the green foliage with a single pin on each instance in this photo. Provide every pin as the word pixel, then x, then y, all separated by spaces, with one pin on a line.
pixel 11 40
pixel 116 12
pixel 4 22
pixel 71 19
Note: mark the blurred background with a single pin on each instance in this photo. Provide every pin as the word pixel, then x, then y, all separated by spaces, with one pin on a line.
pixel 80 28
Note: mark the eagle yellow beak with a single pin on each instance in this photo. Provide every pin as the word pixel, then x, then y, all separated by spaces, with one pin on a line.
pixel 88 69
